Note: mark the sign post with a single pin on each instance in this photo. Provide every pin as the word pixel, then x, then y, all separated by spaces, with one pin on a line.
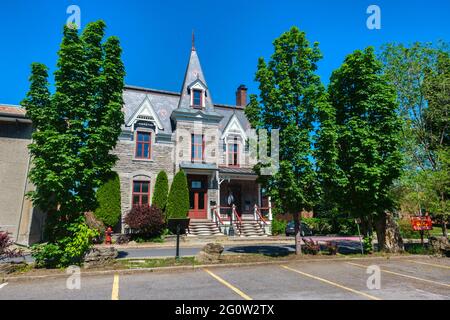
pixel 178 226
pixel 421 223
pixel 358 221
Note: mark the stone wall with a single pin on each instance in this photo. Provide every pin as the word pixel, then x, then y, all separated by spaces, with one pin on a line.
pixel 129 168
pixel 183 141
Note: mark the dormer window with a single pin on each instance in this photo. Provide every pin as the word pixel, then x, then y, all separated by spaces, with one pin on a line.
pixel 197 98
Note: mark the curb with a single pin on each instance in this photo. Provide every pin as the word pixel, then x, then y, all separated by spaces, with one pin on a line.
pixel 197 267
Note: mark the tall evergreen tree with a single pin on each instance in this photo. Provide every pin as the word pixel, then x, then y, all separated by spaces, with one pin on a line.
pixel 76 128
pixel 108 199
pixel 178 200
pixel 161 191
pixel 290 93
pixel 359 144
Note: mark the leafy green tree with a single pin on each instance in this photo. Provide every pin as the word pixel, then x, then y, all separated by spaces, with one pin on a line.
pixel 161 191
pixel 290 93
pixel 363 133
pixel 421 74
pixel 410 70
pixel 108 198
pixel 75 128
pixel 178 200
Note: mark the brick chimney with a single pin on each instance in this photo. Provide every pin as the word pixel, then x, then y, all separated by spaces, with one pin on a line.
pixel 241 96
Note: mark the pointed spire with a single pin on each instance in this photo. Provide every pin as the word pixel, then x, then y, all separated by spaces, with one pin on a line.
pixel 193 73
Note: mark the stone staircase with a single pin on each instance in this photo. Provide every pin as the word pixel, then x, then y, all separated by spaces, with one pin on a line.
pixel 204 228
pixel 209 229
pixel 251 228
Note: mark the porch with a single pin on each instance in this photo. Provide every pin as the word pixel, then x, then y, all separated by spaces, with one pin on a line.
pixel 227 201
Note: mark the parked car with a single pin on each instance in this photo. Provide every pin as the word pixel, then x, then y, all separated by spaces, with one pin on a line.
pixel 290 229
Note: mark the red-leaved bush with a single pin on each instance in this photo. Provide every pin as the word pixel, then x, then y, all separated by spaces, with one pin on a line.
pixel 5 244
pixel 145 220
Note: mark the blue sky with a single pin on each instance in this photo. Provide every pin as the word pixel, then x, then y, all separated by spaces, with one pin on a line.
pixel 230 35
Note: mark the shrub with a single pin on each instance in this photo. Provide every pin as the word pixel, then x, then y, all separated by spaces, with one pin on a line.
pixel 145 220
pixel 331 247
pixel 278 226
pixel 323 226
pixel 367 245
pixel 311 246
pixel 67 250
pixel 318 225
pixel 108 198
pixel 345 227
pixel 161 191
pixel 178 201
pixel 406 230
pixel 5 244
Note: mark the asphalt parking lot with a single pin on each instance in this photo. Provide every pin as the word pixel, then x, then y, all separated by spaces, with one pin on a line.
pixel 403 278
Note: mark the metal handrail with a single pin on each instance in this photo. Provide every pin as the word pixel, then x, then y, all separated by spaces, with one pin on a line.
pixel 258 212
pixel 218 219
pixel 238 220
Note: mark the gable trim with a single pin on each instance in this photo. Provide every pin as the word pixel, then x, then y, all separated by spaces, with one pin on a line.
pixel 146 105
pixel 234 121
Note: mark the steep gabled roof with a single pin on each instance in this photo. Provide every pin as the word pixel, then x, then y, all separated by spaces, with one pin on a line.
pixel 146 110
pixel 234 126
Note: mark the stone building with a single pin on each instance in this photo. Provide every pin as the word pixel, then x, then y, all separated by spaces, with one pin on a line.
pixel 185 130
pixel 162 131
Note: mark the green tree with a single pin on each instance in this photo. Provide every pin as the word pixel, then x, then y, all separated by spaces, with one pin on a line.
pixel 410 70
pixel 75 128
pixel 421 74
pixel 108 198
pixel 290 93
pixel 161 191
pixel 178 200
pixel 363 133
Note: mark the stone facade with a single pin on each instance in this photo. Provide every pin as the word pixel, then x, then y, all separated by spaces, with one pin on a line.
pixel 171 119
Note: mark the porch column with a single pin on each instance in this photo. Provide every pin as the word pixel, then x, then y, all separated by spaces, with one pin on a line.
pixel 259 195
pixel 270 209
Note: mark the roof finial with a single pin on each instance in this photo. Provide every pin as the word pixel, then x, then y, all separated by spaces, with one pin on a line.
pixel 193 40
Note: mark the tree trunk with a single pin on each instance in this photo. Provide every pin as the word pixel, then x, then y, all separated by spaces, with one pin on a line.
pixel 298 235
pixel 388 234
pixel 444 227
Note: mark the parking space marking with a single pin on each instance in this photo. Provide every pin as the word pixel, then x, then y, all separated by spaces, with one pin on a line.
pixel 332 283
pixel 430 264
pixel 115 288
pixel 3 285
pixel 227 284
pixel 402 275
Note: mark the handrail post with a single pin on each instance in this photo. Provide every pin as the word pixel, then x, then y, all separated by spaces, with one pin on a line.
pixel 254 211
pixel 231 230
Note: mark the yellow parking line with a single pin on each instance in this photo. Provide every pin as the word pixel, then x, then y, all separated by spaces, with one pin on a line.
pixel 332 283
pixel 430 264
pixel 403 275
pixel 229 285
pixel 115 288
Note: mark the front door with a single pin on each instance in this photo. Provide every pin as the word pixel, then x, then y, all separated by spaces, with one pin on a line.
pixel 198 196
